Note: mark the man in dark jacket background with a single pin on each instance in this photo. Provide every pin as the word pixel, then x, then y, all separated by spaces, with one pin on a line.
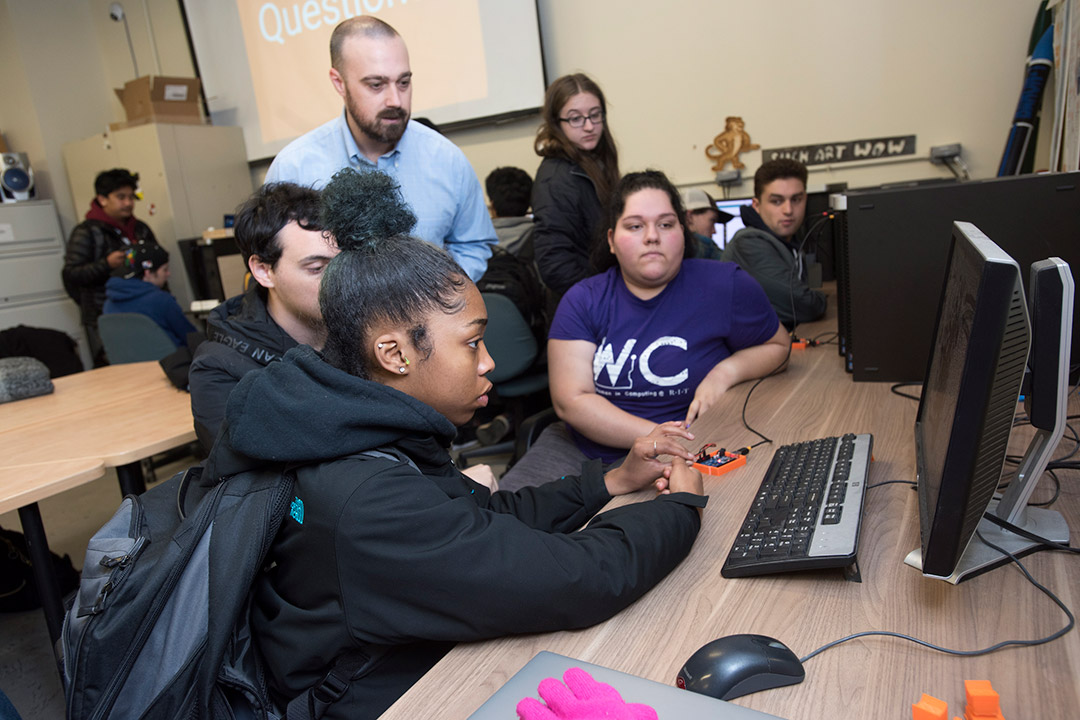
pixel 97 246
pixel 286 251
pixel 140 288
pixel 766 247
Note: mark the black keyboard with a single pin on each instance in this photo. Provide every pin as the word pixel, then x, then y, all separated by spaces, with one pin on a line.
pixel 808 511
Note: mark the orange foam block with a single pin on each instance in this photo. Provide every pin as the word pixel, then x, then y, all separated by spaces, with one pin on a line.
pixel 983 702
pixel 930 708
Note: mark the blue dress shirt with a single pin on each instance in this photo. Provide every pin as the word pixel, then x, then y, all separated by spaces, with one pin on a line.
pixel 435 177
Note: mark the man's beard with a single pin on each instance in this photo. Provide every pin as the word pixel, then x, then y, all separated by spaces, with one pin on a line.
pixel 376 130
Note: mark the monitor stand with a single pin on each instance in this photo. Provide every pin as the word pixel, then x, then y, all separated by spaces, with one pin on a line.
pixel 979 557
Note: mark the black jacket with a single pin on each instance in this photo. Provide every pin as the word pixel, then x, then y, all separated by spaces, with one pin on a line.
pixel 86 269
pixel 241 337
pixel 772 262
pixel 568 215
pixel 379 555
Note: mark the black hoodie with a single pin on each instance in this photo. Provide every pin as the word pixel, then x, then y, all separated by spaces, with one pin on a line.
pixel 380 555
pixel 241 337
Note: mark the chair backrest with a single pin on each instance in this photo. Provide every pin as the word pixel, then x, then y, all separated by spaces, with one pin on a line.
pixel 133 337
pixel 508 338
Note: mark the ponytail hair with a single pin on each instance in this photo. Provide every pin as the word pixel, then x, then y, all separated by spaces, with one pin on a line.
pixel 382 274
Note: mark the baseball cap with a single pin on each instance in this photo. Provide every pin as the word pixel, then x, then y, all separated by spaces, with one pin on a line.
pixel 697 199
pixel 142 257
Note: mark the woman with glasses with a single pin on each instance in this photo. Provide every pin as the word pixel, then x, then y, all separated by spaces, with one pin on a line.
pixel 579 170
pixel 656 337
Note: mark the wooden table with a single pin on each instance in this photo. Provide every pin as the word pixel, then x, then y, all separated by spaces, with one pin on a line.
pixel 107 417
pixel 874 677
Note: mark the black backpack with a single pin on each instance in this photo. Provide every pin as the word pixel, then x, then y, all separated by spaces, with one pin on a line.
pixel 160 626
pixel 518 280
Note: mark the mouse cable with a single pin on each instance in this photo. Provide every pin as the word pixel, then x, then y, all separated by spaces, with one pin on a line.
pixel 984 651
pixel 746 401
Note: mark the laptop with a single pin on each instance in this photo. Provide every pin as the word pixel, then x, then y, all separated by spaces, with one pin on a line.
pixel 668 700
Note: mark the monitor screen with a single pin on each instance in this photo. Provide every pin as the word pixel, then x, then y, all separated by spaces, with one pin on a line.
pixel 726 231
pixel 969 397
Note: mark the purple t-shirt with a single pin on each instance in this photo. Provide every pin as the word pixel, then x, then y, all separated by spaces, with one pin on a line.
pixel 651 354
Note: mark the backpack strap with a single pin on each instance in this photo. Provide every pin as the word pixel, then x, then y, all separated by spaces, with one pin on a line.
pixel 314 702
pixel 390 453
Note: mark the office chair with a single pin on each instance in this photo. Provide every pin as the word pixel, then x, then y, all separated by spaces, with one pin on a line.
pixel 517 374
pixel 133 337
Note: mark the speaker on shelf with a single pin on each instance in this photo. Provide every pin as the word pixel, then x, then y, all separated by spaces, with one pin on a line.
pixel 16 178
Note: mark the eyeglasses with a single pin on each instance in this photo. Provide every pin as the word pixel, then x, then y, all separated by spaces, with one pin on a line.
pixel 596 117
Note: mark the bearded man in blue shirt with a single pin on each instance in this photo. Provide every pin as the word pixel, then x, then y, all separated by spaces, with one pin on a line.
pixel 370 70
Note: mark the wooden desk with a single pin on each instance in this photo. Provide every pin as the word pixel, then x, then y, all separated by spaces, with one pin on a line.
pixel 119 414
pixel 107 417
pixel 874 677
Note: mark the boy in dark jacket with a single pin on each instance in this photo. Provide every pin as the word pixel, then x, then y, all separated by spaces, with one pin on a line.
pixel 97 246
pixel 139 288
pixel 766 246
pixel 284 247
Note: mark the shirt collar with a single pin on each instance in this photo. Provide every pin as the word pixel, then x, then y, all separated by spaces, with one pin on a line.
pixel 355 156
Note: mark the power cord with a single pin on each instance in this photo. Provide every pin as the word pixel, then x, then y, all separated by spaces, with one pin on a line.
pixel 984 651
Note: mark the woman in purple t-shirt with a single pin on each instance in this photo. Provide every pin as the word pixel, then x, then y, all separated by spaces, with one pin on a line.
pixel 654 337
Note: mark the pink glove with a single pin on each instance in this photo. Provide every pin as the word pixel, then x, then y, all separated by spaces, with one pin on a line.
pixel 582 698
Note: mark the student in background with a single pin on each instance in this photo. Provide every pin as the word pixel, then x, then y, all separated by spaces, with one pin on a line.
pixel 286 251
pixel 702 215
pixel 396 554
pixel 97 245
pixel 579 170
pixel 766 246
pixel 656 337
pixel 139 287
pixel 508 190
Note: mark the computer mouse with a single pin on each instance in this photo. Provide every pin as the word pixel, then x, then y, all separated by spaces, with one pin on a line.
pixel 738 665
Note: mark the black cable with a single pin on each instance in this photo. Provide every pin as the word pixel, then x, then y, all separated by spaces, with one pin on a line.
pixel 984 651
pixel 891 482
pixel 832 337
pixel 795 270
pixel 1057 492
pixel 895 391
pixel 746 401
pixel 1017 530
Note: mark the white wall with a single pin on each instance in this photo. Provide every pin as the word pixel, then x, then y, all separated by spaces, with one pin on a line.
pixel 798 72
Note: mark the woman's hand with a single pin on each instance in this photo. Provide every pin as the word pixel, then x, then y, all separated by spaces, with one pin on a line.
pixel 640 468
pixel 681 477
pixel 708 392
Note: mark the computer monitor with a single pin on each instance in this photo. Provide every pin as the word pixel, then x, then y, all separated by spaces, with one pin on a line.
pixel 726 231
pixel 977 364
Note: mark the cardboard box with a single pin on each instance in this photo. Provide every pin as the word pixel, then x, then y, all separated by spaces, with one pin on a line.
pixel 159 99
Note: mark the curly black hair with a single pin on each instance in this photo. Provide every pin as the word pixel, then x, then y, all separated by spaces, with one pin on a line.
pixel 382 274
pixel 510 190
